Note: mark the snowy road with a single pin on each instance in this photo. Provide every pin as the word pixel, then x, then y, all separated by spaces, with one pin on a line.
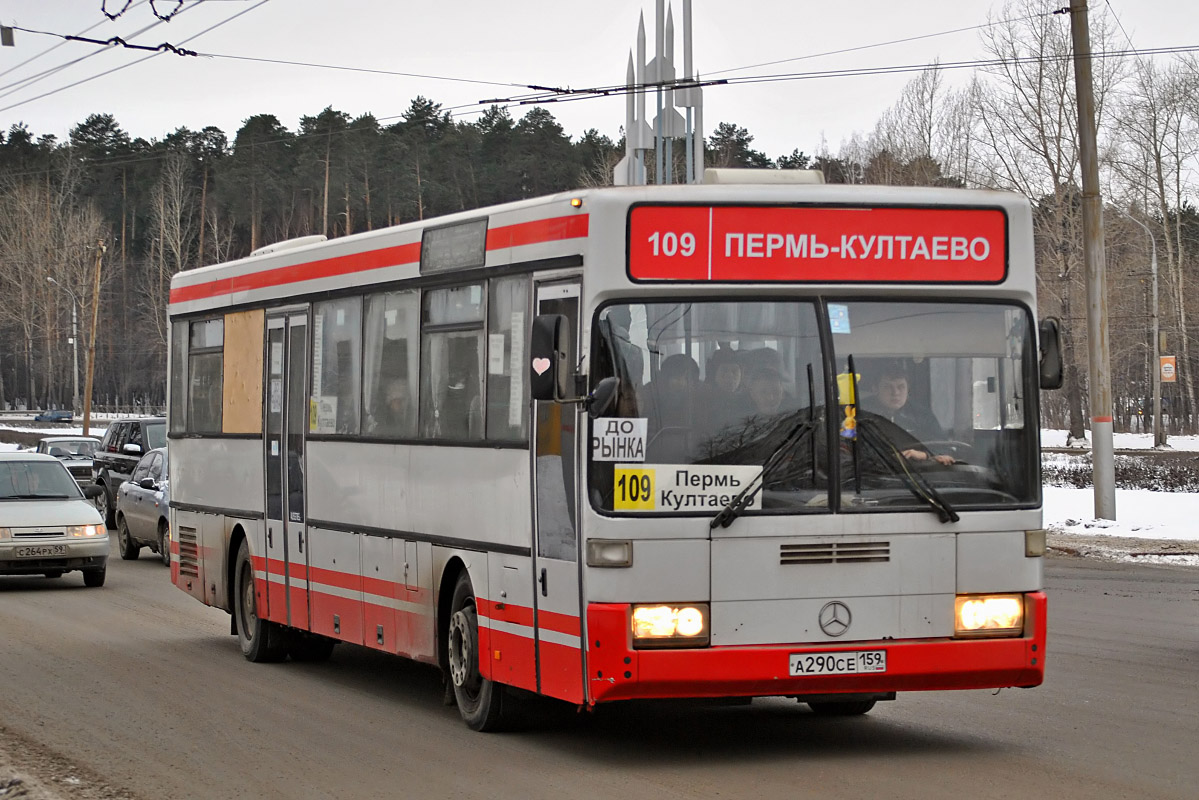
pixel 137 691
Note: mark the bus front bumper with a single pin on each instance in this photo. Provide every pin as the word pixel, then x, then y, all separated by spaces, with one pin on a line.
pixel 616 671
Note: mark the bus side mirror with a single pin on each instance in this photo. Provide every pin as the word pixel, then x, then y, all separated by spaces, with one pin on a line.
pixel 1051 354
pixel 605 395
pixel 550 378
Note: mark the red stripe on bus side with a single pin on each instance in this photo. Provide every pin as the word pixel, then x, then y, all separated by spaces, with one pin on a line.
pixel 538 231
pixel 523 615
pixel 523 233
pixel 311 270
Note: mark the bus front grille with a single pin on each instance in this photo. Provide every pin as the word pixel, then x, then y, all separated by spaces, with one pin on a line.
pixel 835 553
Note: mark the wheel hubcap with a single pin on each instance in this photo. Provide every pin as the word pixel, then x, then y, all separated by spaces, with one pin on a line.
pixel 463 663
pixel 249 614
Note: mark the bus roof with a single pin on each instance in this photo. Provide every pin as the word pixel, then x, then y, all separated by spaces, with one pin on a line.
pixel 546 229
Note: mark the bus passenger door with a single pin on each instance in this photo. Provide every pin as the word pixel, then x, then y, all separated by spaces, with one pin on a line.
pixel 286 415
pixel 557 598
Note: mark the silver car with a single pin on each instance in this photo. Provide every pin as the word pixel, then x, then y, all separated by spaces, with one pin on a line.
pixel 75 453
pixel 47 526
pixel 142 513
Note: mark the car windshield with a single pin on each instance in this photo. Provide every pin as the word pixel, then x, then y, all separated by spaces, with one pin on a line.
pixel 156 435
pixel 36 480
pixel 717 396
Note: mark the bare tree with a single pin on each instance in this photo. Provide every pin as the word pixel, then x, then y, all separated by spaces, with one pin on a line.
pixel 1159 132
pixel 1029 144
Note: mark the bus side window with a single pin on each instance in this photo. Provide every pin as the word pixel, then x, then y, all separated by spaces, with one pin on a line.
pixel 390 362
pixel 507 406
pixel 335 368
pixel 451 398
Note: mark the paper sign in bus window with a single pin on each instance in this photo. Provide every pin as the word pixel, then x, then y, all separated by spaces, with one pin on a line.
pixel 838 318
pixel 681 488
pixel 619 439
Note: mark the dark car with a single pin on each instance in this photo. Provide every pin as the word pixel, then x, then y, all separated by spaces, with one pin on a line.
pixel 57 415
pixel 142 501
pixel 75 453
pixel 124 444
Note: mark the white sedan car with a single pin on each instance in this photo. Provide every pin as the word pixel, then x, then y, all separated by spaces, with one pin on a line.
pixel 47 526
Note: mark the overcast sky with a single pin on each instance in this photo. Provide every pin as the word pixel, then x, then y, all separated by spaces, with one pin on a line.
pixel 541 42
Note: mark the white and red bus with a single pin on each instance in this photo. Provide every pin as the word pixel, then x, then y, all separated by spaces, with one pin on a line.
pixel 644 442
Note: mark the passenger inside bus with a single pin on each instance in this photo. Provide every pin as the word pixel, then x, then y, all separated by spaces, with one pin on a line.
pixel 723 397
pixel 891 400
pixel 670 403
pixel 393 415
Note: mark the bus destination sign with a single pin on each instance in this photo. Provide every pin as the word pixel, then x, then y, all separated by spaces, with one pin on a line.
pixel 827 244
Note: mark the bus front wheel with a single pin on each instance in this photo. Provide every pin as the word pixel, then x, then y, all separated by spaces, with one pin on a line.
pixel 261 641
pixel 480 701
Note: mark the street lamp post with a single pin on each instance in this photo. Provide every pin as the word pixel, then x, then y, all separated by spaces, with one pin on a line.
pixel 74 344
pixel 1159 434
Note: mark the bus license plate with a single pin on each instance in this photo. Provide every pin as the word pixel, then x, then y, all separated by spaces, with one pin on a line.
pixel 843 663
pixel 41 551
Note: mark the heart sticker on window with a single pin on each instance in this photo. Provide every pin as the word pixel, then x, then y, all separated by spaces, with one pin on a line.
pixel 540 365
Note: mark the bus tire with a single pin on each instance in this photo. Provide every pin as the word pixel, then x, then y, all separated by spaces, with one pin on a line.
pixel 849 708
pixel 261 641
pixel 480 701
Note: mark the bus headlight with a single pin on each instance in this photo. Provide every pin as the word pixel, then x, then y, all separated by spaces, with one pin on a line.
pixel 609 553
pixel 989 615
pixel 81 531
pixel 670 626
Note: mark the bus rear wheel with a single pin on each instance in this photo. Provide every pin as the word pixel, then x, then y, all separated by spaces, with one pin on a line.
pixel 480 701
pixel 849 708
pixel 260 640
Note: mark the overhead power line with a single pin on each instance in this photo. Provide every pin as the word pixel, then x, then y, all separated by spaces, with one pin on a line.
pixel 209 29
pixel 889 43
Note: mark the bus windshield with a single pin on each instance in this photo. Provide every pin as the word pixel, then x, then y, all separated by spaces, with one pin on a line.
pixel 715 396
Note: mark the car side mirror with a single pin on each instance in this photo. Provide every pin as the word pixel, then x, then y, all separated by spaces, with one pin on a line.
pixel 132 449
pixel 550 343
pixel 92 491
pixel 147 483
pixel 1049 335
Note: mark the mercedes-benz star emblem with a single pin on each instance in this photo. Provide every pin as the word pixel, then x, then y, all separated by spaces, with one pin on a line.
pixel 835 618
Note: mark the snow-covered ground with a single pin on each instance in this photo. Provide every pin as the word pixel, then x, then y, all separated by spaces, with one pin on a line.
pixel 1153 527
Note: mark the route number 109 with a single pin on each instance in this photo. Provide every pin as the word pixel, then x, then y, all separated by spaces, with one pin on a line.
pixel 671 244
pixel 634 489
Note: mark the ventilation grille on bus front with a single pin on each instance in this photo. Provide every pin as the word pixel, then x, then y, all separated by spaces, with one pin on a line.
pixel 189 553
pixel 835 553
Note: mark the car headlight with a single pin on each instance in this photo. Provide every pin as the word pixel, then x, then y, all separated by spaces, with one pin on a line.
pixel 989 615
pixel 5 533
pixel 81 531
pixel 670 626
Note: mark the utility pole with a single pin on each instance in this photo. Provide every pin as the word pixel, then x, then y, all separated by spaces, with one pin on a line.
pixel 91 342
pixel 1102 456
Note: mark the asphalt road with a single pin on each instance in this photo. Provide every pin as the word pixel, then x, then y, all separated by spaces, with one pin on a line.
pixel 137 691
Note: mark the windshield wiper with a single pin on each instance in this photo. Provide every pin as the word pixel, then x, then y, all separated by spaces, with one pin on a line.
pixel 914 481
pixel 38 497
pixel 741 501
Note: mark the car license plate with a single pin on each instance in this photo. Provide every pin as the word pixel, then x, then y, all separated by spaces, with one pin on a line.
pixel 843 663
pixel 42 551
